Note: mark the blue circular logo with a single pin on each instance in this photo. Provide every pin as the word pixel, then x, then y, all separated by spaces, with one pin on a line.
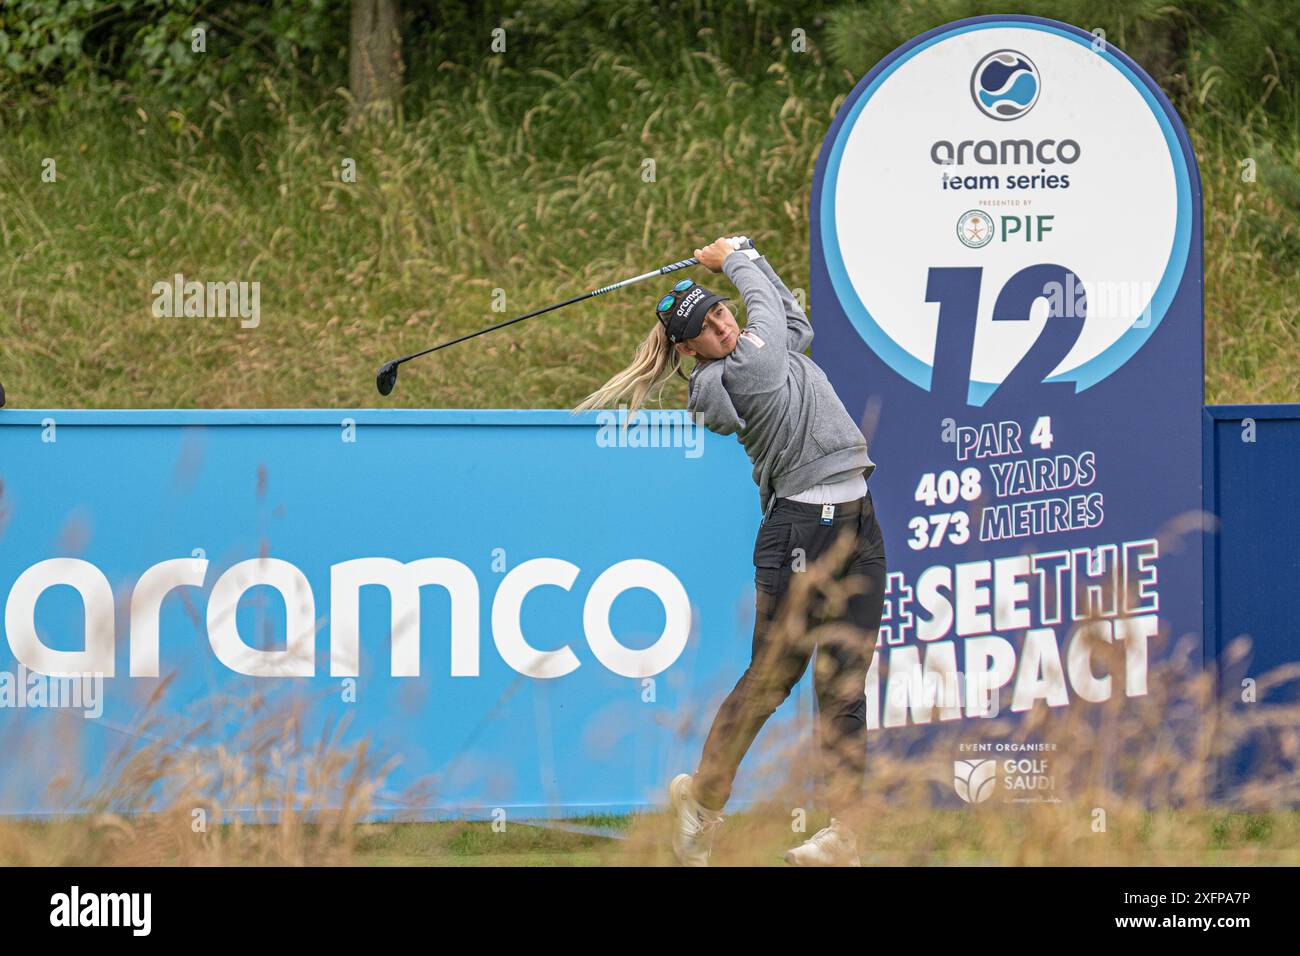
pixel 1005 85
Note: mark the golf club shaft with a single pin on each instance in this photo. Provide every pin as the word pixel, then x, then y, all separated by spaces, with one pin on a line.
pixel 663 270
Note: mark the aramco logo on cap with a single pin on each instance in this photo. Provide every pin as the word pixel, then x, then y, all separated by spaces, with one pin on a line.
pixel 684 307
pixel 1005 85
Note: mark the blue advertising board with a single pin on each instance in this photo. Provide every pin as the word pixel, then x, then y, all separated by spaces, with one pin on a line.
pixel 1006 286
pixel 493 597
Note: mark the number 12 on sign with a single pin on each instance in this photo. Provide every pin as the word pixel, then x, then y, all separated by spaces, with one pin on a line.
pixel 957 292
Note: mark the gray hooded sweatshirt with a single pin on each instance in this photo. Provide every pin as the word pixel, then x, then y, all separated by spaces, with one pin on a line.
pixel 794 427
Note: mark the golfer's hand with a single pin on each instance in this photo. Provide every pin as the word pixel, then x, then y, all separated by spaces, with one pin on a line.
pixel 714 254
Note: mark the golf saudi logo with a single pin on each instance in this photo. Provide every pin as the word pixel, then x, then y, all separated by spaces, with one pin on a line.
pixel 1005 85
pixel 974 780
pixel 1075 221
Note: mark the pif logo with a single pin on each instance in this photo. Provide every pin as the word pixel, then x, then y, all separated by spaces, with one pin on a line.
pixel 974 780
pixel 1005 85
pixel 975 228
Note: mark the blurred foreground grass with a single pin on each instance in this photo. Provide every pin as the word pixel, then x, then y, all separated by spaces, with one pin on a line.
pixel 757 838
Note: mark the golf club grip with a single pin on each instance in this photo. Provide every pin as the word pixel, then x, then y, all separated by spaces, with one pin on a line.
pixel 662 270
pixel 684 264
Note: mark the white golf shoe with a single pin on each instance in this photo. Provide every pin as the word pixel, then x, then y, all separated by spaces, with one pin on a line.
pixel 834 845
pixel 694 826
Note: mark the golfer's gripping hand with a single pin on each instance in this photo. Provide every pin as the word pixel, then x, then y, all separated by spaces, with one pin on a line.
pixel 714 254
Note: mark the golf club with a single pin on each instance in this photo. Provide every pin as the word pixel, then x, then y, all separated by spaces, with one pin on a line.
pixel 387 376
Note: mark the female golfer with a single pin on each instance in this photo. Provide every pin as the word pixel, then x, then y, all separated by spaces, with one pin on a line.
pixel 811 466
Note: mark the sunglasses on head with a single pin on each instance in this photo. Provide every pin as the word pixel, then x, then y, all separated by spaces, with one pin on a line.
pixel 667 302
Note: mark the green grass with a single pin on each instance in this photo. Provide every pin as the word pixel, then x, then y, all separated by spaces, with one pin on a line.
pixel 536 191
pixel 477 844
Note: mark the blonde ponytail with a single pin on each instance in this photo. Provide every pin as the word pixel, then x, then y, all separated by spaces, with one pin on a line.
pixel 655 362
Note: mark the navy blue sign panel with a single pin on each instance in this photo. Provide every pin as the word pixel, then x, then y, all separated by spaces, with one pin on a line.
pixel 1006 281
pixel 1252 565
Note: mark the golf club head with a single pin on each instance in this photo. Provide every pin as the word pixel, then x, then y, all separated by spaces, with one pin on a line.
pixel 387 378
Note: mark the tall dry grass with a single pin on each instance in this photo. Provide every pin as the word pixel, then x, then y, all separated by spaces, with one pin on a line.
pixel 507 189
pixel 1182 775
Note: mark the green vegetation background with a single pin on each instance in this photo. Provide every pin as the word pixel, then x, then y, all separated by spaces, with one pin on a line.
pixel 520 171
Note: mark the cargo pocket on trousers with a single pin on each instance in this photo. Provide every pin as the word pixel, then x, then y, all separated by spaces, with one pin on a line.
pixel 772 557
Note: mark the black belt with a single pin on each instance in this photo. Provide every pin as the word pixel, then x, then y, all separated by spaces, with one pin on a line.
pixel 842 508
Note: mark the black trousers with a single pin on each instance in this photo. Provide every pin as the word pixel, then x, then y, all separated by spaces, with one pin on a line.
pixel 834 611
